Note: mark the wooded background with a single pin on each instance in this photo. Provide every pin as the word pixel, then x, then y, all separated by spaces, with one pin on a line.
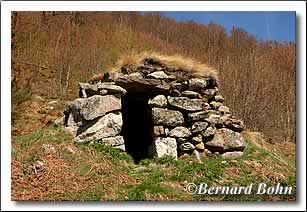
pixel 53 51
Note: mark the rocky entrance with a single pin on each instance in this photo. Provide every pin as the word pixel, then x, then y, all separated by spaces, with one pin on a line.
pixel 137 125
pixel 153 110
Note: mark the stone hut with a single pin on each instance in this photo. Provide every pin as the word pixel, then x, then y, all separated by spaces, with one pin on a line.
pixel 155 105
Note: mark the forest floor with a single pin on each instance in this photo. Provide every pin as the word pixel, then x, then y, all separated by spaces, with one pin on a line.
pixel 47 165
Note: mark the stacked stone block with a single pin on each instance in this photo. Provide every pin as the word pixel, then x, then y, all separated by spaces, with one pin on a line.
pixel 188 113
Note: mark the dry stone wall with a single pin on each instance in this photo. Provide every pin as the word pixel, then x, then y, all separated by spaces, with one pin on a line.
pixel 187 113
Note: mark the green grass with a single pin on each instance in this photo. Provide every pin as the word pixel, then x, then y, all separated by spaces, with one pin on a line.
pixel 92 193
pixel 149 183
pixel 156 178
pixel 66 155
pixel 20 95
pixel 48 135
pixel 115 154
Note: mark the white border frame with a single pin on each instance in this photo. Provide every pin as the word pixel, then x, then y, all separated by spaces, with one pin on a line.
pixel 7 7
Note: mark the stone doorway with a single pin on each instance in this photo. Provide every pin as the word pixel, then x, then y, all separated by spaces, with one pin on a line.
pixel 137 125
pixel 156 108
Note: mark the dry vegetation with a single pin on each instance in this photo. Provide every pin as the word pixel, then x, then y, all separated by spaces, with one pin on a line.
pixel 70 172
pixel 53 51
pixel 46 165
pixel 186 64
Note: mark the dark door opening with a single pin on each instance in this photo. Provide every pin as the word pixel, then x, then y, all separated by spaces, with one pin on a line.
pixel 137 125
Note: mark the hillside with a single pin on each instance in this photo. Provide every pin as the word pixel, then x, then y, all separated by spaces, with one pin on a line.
pixel 53 51
pixel 46 165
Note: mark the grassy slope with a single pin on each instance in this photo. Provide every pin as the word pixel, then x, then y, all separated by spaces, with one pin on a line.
pixel 99 173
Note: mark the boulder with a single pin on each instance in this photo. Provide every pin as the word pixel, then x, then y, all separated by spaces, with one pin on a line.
pixel 75 112
pixel 197 84
pixel 215 105
pixel 206 105
pixel 234 124
pixel 114 75
pixel 191 94
pixel 158 131
pixel 116 142
pixel 224 110
pixel 176 86
pixel 208 132
pixel 198 116
pixel 180 132
pixel 197 139
pixel 140 84
pixel 164 147
pixel 112 141
pixel 175 93
pixel 72 124
pixel 158 101
pixel 59 122
pixel 102 92
pixel 209 93
pixel 87 89
pixel 199 126
pixel 182 140
pixel 197 156
pixel 200 146
pixel 166 131
pixel 97 106
pixel 184 103
pixel 136 75
pixel 214 119
pixel 158 75
pixel 111 89
pixel 169 118
pixel 163 88
pixel 225 118
pixel 187 146
pixel 219 98
pixel 121 147
pixel 232 155
pixel 109 125
pixel 226 140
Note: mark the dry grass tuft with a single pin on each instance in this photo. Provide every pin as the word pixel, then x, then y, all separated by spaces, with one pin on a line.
pixel 96 78
pixel 192 66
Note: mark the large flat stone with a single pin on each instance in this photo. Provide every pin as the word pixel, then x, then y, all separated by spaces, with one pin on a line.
pixel 226 140
pixel 201 115
pixel 158 101
pixel 180 132
pixel 198 116
pixel 112 89
pixel 138 84
pixel 184 103
pixel 170 118
pixel 199 127
pixel 191 94
pixel 197 84
pixel 97 106
pixel 165 147
pixel 115 142
pixel 232 155
pixel 109 125
pixel 158 75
